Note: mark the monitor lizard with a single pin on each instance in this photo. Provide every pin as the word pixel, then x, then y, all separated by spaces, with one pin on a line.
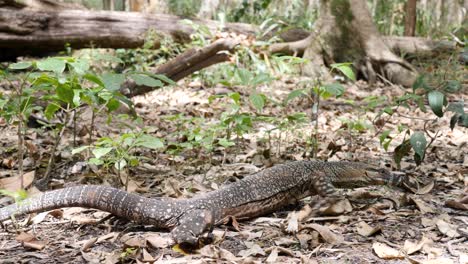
pixel 188 219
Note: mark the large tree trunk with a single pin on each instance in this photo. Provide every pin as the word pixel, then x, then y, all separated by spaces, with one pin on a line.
pixel 345 33
pixel 410 18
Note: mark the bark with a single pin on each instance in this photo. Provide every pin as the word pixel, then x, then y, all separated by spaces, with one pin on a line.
pixel 419 47
pixel 409 47
pixel 33 32
pixel 346 33
pixel 410 18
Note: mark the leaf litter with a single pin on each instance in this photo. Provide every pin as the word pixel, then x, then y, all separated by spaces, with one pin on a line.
pixel 429 226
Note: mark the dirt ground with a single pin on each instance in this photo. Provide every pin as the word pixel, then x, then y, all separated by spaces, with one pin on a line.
pixel 382 225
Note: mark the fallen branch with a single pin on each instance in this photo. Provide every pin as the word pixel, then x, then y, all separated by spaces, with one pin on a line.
pixel 187 63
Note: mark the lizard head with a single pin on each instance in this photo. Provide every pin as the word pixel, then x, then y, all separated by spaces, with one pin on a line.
pixel 354 175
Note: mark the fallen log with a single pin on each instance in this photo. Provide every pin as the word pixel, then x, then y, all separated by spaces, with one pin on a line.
pixel 35 32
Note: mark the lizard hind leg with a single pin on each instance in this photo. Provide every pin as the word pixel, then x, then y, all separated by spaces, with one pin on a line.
pixel 192 225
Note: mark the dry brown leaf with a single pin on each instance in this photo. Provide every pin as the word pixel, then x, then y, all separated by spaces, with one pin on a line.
pixel 456 205
pixel 447 229
pixel 29 241
pixel 285 241
pixel 37 245
pixel 8 163
pixel 366 230
pixel 427 222
pixel 422 206
pixel 438 261
pixel 338 208
pixel 272 258
pixel 432 252
pixel 157 241
pixel 39 218
pixel 134 242
pixel 171 188
pixel 292 223
pixel 385 252
pixel 13 184
pixel 88 244
pixel 411 247
pixel 304 240
pixel 326 234
pixel 112 236
pixel 25 237
pixel 463 259
pixel 253 250
pixel 227 255
pixel 133 185
pixel 147 257
pixel 422 190
pixel 215 252
pixel 251 235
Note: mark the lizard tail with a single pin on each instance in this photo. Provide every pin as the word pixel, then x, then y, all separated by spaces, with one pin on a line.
pixel 112 200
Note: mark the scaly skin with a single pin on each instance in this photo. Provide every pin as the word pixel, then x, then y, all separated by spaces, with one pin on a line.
pixel 258 194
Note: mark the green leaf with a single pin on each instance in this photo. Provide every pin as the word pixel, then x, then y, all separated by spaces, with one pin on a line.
pixel 100 152
pixel 108 57
pixel 52 64
pixel 20 65
pixel 93 78
pixel 456 107
pixel 113 104
pixel 65 93
pixel 436 101
pixel 79 149
pixel 225 142
pixel 454 120
pixel 113 81
pixel 235 97
pixel 261 78
pixel 141 79
pixel 163 78
pixel 80 66
pixel 50 110
pixel 95 161
pixel 335 89
pixel 421 83
pixel 346 69
pixel 463 120
pixel 418 142
pixel 294 94
pixel 77 97
pixel 149 142
pixel 244 75
pixel 257 101
pixel 133 162
pixel 452 86
pixel 384 135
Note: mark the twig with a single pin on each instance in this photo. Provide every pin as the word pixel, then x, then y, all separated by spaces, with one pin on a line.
pixel 451 250
pixel 416 118
pixel 51 162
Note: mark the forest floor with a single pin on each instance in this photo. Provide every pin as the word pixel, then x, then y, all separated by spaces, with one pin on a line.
pixel 382 226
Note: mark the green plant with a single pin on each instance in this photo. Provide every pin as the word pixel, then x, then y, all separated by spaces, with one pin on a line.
pixel 315 91
pixel 184 8
pixel 120 152
pixel 65 84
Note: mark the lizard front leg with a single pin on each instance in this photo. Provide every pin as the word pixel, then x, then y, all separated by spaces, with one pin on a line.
pixel 192 225
pixel 328 195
